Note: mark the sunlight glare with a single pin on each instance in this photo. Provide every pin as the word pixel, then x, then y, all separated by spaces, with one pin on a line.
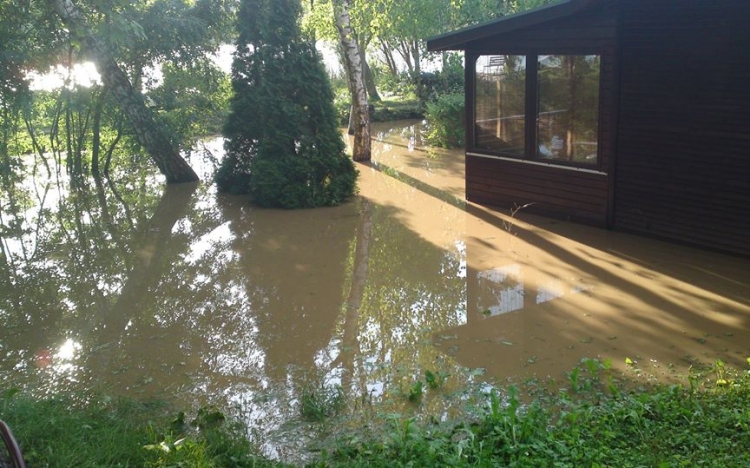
pixel 68 350
pixel 81 74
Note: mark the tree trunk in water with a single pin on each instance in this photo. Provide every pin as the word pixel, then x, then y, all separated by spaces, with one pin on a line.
pixel 160 149
pixel 352 61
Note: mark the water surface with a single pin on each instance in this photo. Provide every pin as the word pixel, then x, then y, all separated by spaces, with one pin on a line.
pixel 135 289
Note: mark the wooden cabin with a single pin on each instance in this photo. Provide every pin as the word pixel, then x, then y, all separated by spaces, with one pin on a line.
pixel 626 114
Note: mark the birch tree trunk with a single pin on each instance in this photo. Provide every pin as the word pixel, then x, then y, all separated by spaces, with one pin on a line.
pixel 353 64
pixel 166 157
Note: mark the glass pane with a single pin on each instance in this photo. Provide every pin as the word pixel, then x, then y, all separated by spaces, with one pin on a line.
pixel 568 119
pixel 500 103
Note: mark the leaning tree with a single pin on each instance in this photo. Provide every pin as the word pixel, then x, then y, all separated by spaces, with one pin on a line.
pixel 164 154
pixel 283 144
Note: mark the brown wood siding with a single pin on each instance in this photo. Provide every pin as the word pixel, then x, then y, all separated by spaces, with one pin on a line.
pixel 578 195
pixel 683 143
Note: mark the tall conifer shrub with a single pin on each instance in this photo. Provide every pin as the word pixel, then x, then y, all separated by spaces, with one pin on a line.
pixel 283 145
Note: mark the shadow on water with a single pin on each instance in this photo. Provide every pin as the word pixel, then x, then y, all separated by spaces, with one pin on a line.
pixel 542 293
pixel 418 184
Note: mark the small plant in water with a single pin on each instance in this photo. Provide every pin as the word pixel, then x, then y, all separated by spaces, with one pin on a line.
pixel 508 226
pixel 416 392
pixel 320 403
pixel 435 380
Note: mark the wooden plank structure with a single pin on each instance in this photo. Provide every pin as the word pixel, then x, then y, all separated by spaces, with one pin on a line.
pixel 671 154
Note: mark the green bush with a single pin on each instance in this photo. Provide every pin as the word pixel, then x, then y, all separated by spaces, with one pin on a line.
pixel 284 146
pixel 401 84
pixel 446 121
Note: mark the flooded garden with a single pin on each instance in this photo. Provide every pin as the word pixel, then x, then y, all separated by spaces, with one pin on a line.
pixel 394 302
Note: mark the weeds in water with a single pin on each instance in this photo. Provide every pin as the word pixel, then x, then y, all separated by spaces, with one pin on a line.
pixel 416 391
pixel 435 380
pixel 318 403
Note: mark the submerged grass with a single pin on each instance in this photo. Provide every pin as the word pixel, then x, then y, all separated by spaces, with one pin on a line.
pixel 593 422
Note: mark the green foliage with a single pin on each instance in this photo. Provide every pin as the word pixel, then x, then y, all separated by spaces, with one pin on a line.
pixel 284 146
pixel 415 392
pixel 435 380
pixel 449 80
pixel 446 121
pixel 318 403
pixel 192 101
pixel 84 123
pixel 587 425
pixel 400 84
pixel 96 430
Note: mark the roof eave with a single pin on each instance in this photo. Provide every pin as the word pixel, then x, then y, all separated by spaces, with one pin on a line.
pixel 457 40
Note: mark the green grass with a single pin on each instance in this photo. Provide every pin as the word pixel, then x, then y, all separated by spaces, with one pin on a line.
pixel 387 110
pixel 97 431
pixel 396 108
pixel 318 403
pixel 593 422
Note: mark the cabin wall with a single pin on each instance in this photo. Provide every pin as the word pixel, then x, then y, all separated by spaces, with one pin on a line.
pixel 582 195
pixel 578 195
pixel 683 142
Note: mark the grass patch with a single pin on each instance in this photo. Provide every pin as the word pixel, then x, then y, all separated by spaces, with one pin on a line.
pixel 98 431
pixel 318 403
pixel 387 110
pixel 592 422
pixel 397 109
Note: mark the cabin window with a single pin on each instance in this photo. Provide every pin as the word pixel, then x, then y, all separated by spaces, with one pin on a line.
pixel 500 119
pixel 539 107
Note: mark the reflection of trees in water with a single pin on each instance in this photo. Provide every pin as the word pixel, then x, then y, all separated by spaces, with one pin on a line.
pixel 413 287
pixel 79 262
pixel 293 266
pixel 221 301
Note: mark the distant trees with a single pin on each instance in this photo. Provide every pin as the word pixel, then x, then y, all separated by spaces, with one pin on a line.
pixel 161 150
pixel 124 39
pixel 283 146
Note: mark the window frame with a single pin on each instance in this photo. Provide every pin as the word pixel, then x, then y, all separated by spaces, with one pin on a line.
pixel 531 108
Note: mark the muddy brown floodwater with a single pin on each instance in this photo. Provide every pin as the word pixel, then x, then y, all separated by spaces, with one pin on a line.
pixel 200 298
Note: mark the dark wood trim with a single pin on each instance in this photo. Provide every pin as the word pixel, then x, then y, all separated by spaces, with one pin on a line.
pixel 458 40
pixel 614 122
pixel 532 101
pixel 470 74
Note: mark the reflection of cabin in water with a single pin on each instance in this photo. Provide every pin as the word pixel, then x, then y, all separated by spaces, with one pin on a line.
pixel 629 114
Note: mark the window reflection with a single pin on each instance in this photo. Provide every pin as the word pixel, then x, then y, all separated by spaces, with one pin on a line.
pixel 563 90
pixel 568 104
pixel 500 103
